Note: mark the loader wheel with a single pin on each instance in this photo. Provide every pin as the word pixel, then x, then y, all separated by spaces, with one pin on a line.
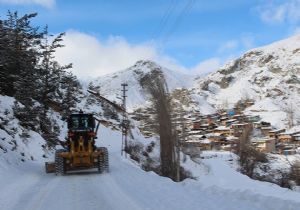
pixel 103 164
pixel 60 168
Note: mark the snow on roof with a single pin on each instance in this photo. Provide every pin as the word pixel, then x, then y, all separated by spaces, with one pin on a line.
pixel 222 128
pixel 204 125
pixel 231 120
pixel 196 136
pixel 264 128
pixel 214 134
pixel 204 141
pixel 277 130
pixel 238 124
pixel 194 131
pixel 230 138
pixel 262 139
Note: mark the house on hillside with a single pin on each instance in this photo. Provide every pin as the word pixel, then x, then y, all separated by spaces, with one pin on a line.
pixel 265 145
pixel 238 128
pixel 228 123
pixel 274 133
pixel 265 130
pixel 222 130
pixel 220 141
pixel 222 120
pixel 297 138
pixel 286 149
pixel 195 132
pixel 195 146
pixel 216 137
pixel 256 125
pixel 196 125
pixel 285 137
pixel 251 118
pixel 238 117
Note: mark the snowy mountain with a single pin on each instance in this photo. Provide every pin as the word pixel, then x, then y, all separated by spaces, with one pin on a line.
pixel 110 85
pixel 269 75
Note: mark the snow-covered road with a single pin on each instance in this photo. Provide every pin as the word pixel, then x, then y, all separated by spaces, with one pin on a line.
pixel 125 187
pixel 28 187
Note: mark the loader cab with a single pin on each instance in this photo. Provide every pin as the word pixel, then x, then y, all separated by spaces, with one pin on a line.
pixel 81 122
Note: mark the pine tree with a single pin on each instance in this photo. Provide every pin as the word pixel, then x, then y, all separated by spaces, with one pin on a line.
pixel 30 73
pixel 50 73
pixel 3 72
pixel 71 87
pixel 91 98
pixel 21 53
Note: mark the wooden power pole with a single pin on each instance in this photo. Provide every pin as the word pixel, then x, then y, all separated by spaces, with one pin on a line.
pixel 125 122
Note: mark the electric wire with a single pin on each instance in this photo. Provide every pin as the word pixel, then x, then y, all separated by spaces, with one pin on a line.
pixel 165 19
pixel 178 20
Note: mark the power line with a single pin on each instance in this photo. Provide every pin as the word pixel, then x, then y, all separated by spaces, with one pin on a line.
pixel 180 17
pixel 165 18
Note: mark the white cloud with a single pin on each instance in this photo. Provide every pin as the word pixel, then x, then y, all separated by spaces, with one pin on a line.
pixel 229 45
pixel 44 3
pixel 280 11
pixel 207 66
pixel 237 46
pixel 92 58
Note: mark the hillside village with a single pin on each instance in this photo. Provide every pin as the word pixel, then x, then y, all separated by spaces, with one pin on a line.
pixel 224 129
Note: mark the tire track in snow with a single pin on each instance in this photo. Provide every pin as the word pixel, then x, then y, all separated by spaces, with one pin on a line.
pixel 113 194
pixel 37 201
pixel 13 187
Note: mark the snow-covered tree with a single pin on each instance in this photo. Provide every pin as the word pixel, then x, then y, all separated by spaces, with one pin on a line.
pixel 71 88
pixel 20 51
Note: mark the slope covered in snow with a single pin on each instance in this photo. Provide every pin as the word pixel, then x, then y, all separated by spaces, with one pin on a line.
pixel 110 85
pixel 17 144
pixel 268 75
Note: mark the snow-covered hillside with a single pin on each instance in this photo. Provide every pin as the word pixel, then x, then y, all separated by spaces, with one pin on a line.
pixel 110 85
pixel 269 75
pixel 17 144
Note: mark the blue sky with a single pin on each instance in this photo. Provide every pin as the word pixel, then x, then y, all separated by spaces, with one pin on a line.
pixel 188 35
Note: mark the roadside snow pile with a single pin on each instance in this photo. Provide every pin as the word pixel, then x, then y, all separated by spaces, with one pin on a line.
pixel 220 170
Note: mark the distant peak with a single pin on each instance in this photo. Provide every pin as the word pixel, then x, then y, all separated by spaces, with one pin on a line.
pixel 146 63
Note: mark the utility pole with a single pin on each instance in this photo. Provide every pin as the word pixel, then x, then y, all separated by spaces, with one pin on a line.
pixel 125 122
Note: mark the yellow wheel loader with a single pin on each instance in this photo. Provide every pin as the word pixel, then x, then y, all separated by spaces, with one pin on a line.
pixel 80 151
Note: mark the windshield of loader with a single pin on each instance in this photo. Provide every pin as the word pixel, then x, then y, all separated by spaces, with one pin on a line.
pixel 80 122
